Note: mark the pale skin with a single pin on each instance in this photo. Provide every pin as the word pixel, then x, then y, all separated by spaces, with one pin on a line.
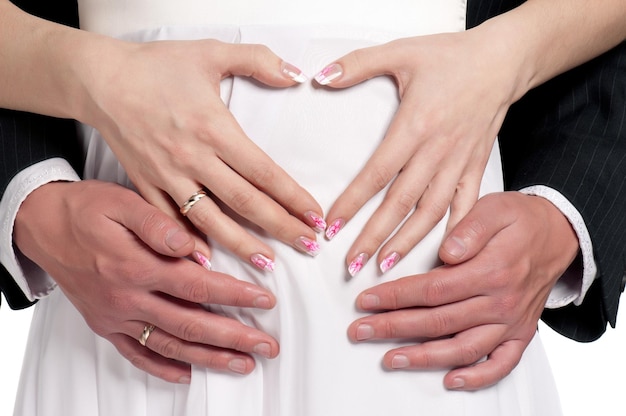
pixel 524 52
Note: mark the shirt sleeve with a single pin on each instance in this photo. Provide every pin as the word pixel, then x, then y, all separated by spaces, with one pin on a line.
pixel 31 279
pixel 575 282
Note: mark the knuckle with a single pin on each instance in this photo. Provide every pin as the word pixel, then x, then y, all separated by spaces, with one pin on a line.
pixel 263 175
pixel 434 292
pixel 203 219
pixel 438 324
pixel 170 348
pixel 469 353
pixel 404 203
pixel 242 202
pixel 380 177
pixel 192 331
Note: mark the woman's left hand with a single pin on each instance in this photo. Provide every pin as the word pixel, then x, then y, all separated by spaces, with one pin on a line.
pixel 454 98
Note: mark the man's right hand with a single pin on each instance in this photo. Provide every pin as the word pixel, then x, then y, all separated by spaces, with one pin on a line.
pixel 122 263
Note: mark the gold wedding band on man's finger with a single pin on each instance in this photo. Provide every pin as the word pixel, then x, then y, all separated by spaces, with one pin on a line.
pixel 191 201
pixel 147 330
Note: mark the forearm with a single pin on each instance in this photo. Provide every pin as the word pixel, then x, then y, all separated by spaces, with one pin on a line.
pixel 541 39
pixel 46 67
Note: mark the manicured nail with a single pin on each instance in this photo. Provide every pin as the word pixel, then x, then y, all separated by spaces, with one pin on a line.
pixel 389 262
pixel 364 332
pixel 202 260
pixel 400 361
pixel 175 239
pixel 318 222
pixel 237 366
pixel 262 262
pixel 329 74
pixel 262 302
pixel 334 228
pixel 357 264
pixel 308 246
pixel 457 383
pixel 263 349
pixel 455 247
pixel 370 302
pixel 292 72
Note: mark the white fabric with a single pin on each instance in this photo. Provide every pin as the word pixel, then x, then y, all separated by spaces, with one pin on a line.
pixel 570 288
pixel 322 139
pixel 38 283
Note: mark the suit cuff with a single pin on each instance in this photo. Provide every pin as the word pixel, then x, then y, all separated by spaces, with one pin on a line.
pixel 575 282
pixel 33 281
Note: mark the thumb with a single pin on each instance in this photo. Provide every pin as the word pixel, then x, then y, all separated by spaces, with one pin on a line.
pixel 260 63
pixel 356 67
pixel 483 222
pixel 155 228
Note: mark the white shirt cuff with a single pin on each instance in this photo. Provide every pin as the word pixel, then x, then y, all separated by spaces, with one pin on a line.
pixel 33 281
pixel 571 287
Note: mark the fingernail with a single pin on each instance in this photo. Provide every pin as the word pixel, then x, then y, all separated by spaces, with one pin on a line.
pixel 184 380
pixel 399 361
pixel 319 224
pixel 357 264
pixel 262 262
pixel 329 74
pixel 334 228
pixel 457 383
pixel 308 246
pixel 455 247
pixel 175 239
pixel 292 72
pixel 389 262
pixel 263 349
pixel 202 260
pixel 370 302
pixel 237 366
pixel 262 302
pixel 364 332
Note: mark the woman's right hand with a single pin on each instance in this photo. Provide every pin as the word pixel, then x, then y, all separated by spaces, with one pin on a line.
pixel 158 106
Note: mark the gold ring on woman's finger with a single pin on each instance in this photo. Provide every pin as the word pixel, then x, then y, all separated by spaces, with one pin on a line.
pixel 193 199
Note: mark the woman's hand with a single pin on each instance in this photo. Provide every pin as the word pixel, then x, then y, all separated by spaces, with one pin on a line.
pixel 158 106
pixel 119 261
pixel 453 101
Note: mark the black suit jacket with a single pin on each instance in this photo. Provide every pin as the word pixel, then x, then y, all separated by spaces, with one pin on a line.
pixel 570 134
pixel 26 139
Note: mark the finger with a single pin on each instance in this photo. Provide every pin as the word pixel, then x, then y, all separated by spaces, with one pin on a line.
pixel 475 230
pixel 443 285
pixel 206 356
pixel 195 284
pixel 358 66
pixel 430 210
pixel 421 322
pixel 465 348
pixel 498 365
pixel 191 323
pixel 155 228
pixel 381 168
pixel 466 195
pixel 150 362
pixel 260 63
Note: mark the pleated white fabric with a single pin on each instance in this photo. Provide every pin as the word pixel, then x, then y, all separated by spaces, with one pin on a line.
pixel 322 138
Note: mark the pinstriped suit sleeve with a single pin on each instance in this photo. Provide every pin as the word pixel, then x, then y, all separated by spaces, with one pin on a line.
pixel 26 139
pixel 570 134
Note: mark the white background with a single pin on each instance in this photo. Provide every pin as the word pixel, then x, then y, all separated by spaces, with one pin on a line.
pixel 591 377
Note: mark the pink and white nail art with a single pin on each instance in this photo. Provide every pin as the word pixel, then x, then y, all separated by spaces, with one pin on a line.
pixel 262 262
pixel 389 261
pixel 357 264
pixel 317 220
pixel 202 260
pixel 334 228
pixel 329 74
pixel 310 247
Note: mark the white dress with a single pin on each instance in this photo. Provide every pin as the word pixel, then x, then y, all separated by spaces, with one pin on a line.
pixel 321 138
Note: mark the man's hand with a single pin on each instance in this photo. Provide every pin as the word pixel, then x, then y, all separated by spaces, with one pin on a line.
pixel 502 260
pixel 120 262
